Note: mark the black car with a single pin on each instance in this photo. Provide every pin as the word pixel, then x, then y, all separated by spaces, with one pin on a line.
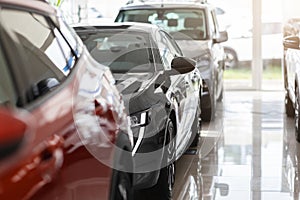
pixel 161 91
pixel 195 28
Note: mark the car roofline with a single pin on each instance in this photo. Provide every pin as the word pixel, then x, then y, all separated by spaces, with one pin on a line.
pixel 164 5
pixel 143 27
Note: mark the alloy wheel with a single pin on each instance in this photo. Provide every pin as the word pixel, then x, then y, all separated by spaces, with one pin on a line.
pixel 171 155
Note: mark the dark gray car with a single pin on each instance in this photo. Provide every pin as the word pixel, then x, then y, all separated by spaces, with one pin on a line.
pixel 161 91
pixel 195 28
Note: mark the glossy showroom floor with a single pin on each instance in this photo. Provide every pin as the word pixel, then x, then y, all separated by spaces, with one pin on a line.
pixel 248 153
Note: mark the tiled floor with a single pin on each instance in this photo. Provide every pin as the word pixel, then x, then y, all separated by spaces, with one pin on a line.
pixel 249 152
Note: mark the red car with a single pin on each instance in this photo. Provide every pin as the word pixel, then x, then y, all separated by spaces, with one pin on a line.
pixel 63 129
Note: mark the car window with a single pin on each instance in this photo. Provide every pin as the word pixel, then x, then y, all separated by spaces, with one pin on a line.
pixel 8 96
pixel 164 50
pixel 67 52
pixel 121 51
pixel 44 61
pixel 174 48
pixel 71 36
pixel 212 23
pixel 188 24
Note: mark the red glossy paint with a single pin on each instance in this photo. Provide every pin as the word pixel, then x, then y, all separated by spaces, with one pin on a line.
pixel 54 160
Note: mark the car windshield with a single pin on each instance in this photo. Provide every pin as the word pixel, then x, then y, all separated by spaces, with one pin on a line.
pixel 184 24
pixel 121 51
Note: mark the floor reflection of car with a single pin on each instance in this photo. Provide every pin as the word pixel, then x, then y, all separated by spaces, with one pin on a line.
pixel 290 161
pixel 291 71
pixel 161 93
pixel 61 117
pixel 195 28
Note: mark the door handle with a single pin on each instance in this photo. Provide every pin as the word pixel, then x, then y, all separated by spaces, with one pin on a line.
pixel 51 157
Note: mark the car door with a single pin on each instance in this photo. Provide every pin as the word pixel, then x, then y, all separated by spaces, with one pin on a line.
pixel 179 89
pixel 189 85
pixel 217 52
pixel 41 68
pixel 42 83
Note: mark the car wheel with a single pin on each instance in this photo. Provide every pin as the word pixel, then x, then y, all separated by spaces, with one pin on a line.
pixel 297 112
pixel 164 186
pixel 231 58
pixel 166 178
pixel 289 109
pixel 121 182
pixel 208 114
pixel 196 128
pixel 122 186
pixel 171 155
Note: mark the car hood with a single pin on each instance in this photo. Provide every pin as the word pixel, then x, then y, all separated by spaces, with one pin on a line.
pixel 138 90
pixel 193 48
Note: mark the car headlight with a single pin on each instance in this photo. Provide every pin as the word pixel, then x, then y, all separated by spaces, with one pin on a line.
pixel 140 118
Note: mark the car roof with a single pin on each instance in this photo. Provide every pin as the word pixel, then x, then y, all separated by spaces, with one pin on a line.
pixel 136 26
pixel 37 5
pixel 165 5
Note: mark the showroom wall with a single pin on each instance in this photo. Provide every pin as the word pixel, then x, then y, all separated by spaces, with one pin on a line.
pixel 291 8
pixel 78 10
pixel 109 8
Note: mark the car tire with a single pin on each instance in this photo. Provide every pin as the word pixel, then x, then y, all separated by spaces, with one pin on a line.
pixel 166 179
pixel 196 128
pixel 297 113
pixel 121 181
pixel 289 108
pixel 123 189
pixel 208 114
pixel 162 190
pixel 231 58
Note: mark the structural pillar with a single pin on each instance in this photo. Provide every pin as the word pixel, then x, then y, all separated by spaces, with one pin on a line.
pixel 257 64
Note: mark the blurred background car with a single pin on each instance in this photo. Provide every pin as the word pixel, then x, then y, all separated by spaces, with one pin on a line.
pixel 238 48
pixel 231 56
pixel 290 28
pixel 64 132
pixel 195 28
pixel 242 42
pixel 291 72
pixel 161 92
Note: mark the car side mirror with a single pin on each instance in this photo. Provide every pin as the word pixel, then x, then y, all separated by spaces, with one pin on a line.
pixel 223 37
pixel 291 42
pixel 182 65
pixel 46 85
pixel 12 133
pixel 41 88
